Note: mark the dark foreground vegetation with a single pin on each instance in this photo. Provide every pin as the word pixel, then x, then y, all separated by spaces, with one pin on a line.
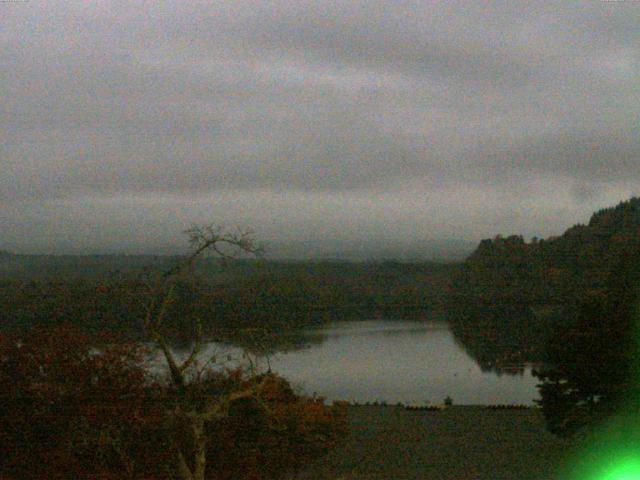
pixel 75 406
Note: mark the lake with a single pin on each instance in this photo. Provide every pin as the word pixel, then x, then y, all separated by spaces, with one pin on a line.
pixel 396 361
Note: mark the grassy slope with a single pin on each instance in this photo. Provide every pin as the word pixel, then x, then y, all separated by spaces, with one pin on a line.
pixel 457 444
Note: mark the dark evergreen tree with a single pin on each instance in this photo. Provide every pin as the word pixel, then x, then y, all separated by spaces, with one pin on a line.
pixel 592 370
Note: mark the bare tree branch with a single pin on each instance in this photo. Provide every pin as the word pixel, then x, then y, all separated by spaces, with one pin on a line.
pixel 224 244
pixel 195 351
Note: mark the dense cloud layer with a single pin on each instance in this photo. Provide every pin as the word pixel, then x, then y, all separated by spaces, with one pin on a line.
pixel 124 121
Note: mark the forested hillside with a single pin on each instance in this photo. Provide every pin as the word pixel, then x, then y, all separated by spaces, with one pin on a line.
pixel 508 294
pixel 104 292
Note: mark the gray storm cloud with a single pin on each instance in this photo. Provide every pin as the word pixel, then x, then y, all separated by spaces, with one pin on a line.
pixel 123 122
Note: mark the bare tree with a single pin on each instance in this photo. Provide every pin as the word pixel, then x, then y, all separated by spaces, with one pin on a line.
pixel 193 417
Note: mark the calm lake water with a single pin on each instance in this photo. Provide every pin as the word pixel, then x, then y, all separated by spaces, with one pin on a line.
pixel 396 361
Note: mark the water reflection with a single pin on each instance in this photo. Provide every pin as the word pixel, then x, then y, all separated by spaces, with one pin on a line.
pixel 398 361
pixel 387 360
pixel 501 338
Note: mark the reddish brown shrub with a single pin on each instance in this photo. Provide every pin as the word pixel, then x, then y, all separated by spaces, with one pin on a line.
pixel 75 406
pixel 71 409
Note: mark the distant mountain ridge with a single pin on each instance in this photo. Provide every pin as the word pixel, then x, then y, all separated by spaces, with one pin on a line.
pixel 352 251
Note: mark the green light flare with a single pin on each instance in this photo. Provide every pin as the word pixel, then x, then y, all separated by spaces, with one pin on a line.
pixel 600 469
pixel 624 469
pixel 611 452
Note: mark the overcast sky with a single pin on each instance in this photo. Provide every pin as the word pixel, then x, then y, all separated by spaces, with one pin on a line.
pixel 122 122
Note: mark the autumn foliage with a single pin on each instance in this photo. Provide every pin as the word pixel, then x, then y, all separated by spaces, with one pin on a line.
pixel 76 406
pixel 272 434
pixel 70 408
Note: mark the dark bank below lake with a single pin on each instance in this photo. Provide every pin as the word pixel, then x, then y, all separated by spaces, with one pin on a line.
pixel 459 443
